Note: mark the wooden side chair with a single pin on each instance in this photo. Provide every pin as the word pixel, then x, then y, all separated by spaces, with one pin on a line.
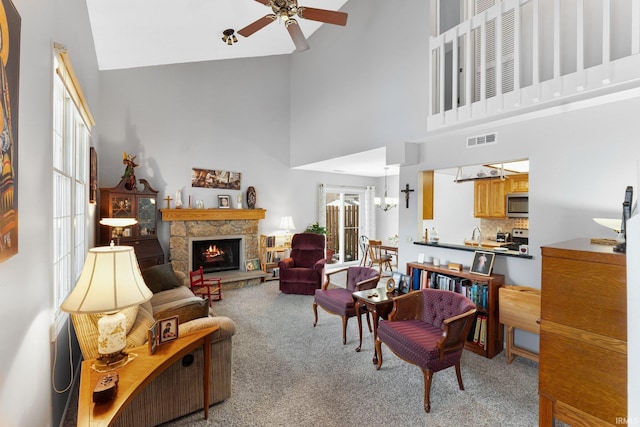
pixel 209 287
pixel 363 241
pixel 428 328
pixel 339 301
pixel 377 256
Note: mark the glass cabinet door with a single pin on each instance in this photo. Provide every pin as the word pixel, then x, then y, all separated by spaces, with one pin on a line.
pixel 121 207
pixel 147 216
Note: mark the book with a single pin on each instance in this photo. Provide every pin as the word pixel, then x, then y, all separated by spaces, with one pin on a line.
pixel 483 331
pixel 415 276
pixel 476 334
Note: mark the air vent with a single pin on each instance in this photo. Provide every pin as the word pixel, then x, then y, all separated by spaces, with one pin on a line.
pixel 479 141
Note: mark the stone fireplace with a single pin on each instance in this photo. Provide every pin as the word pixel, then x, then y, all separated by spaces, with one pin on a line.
pixel 196 225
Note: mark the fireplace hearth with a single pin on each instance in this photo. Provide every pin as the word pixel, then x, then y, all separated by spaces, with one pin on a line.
pixel 216 254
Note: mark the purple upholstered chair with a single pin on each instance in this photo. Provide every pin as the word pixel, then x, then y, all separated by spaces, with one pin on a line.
pixel 303 272
pixel 340 300
pixel 428 328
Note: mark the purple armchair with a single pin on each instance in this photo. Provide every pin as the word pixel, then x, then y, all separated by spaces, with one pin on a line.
pixel 303 272
pixel 428 329
pixel 340 300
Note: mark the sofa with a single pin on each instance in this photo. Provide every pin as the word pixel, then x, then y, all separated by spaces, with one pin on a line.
pixel 178 390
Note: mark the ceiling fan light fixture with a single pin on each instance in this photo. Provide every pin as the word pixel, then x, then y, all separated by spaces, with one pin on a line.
pixel 229 37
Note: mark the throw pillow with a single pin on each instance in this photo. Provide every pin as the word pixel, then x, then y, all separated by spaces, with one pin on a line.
pixel 195 308
pixel 160 278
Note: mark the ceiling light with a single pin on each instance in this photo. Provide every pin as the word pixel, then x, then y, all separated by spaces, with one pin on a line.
pixel 229 37
pixel 386 203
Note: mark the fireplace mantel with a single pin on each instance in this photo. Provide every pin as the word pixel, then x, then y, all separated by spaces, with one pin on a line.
pixel 211 214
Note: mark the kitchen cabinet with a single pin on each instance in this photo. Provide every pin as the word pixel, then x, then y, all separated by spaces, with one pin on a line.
pixel 427 184
pixel 124 202
pixel 518 183
pixel 490 198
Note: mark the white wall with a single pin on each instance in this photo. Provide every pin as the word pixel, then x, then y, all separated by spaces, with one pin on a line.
pixel 452 211
pixel 26 396
pixel 214 115
pixel 362 86
pixel 581 162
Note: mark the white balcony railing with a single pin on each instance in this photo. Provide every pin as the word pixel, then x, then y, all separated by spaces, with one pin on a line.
pixel 526 55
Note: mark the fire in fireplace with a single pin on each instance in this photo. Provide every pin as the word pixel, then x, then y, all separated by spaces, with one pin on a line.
pixel 216 255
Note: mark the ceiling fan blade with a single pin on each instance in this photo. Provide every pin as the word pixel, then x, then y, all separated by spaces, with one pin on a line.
pixel 296 35
pixel 257 25
pixel 323 15
pixel 264 2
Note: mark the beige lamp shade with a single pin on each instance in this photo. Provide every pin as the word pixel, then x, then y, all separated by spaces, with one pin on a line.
pixel 286 223
pixel 110 281
pixel 118 222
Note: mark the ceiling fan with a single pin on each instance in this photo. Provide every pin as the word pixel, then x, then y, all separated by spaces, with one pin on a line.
pixel 286 10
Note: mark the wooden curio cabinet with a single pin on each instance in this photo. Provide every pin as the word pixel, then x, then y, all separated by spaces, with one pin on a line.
pixel 126 201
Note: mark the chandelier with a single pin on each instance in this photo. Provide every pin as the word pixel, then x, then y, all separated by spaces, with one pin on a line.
pixel 386 203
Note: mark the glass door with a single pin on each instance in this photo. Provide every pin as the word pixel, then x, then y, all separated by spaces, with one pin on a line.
pixel 344 215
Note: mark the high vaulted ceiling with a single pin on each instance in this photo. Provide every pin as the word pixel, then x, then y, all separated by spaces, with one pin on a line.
pixel 139 33
pixel 142 33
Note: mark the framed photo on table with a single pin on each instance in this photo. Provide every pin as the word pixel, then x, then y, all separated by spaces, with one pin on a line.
pixel 168 329
pixel 153 337
pixel 252 265
pixel 482 263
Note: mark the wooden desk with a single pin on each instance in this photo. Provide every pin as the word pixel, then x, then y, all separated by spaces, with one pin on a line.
pixel 137 374
pixel 379 306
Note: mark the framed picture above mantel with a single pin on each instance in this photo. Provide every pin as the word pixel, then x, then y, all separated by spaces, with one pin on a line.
pixel 209 178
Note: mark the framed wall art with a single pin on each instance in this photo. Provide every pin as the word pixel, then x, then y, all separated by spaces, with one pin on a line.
pixel 10 22
pixel 93 175
pixel 208 178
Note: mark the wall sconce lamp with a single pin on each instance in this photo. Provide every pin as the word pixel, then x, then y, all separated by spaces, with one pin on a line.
pixel 118 225
pixel 110 281
pixel 229 37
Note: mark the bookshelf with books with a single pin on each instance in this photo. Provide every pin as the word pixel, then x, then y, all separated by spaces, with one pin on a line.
pixel 271 250
pixel 486 336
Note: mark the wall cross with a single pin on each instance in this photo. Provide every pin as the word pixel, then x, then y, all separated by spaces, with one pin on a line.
pixel 406 192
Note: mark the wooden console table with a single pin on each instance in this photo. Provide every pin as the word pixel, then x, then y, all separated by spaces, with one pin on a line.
pixel 135 375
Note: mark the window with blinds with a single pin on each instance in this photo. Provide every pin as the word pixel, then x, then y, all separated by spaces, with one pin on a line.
pixel 506 54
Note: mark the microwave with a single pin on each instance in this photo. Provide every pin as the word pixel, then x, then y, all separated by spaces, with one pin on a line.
pixel 518 205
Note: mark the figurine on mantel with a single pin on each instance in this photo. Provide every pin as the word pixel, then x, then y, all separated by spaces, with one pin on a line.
pixel 251 198
pixel 179 199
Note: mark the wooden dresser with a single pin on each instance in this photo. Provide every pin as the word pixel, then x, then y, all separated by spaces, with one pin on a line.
pixel 583 335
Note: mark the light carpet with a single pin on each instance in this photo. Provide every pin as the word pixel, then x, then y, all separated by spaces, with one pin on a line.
pixel 288 373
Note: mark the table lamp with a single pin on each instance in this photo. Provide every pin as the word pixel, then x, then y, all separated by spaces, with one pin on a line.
pixel 286 224
pixel 118 225
pixel 110 281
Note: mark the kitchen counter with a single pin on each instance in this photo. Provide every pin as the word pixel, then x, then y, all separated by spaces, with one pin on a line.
pixel 474 248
